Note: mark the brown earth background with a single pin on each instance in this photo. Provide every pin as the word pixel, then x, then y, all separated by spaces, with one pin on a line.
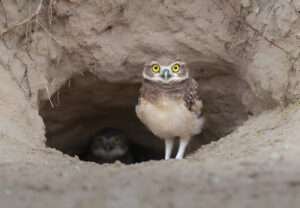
pixel 70 67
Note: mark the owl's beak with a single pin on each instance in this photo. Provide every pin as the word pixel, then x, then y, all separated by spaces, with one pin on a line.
pixel 165 74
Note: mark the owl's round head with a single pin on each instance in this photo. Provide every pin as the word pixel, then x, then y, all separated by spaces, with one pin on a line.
pixel 109 143
pixel 175 72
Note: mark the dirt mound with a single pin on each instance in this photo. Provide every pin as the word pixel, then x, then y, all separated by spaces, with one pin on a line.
pixel 70 67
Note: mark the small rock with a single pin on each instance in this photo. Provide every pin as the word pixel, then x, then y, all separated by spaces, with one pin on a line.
pixel 257 10
pixel 7 192
pixel 216 180
pixel 275 156
pixel 77 168
pixel 246 3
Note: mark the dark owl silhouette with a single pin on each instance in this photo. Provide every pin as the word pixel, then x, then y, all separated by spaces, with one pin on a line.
pixel 108 146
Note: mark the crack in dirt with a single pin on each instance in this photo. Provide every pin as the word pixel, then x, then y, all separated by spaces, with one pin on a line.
pixel 257 31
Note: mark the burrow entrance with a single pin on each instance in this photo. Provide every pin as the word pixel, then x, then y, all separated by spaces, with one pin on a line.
pixel 85 104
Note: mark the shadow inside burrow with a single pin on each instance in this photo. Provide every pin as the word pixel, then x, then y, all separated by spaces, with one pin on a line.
pixel 84 105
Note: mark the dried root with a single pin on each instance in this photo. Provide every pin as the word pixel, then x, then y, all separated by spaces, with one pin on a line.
pixel 29 23
pixel 27 20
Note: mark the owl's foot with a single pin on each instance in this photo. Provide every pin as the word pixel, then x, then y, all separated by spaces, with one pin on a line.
pixel 169 143
pixel 182 146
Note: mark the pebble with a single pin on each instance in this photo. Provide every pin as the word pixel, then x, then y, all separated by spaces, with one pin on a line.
pixel 7 192
pixel 275 156
pixel 246 3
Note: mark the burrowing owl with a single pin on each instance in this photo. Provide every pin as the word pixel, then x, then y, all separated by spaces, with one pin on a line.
pixel 169 105
pixel 109 145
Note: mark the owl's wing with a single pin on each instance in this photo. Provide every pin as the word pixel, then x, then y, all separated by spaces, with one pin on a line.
pixel 192 99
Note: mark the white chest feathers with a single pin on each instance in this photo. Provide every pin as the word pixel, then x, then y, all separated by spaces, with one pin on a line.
pixel 169 118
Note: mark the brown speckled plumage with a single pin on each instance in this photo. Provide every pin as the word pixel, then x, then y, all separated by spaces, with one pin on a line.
pixel 169 105
pixel 186 90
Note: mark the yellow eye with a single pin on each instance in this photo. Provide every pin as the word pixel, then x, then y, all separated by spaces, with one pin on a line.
pixel 175 68
pixel 155 68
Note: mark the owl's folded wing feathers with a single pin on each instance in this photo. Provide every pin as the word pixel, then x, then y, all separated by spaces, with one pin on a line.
pixel 192 99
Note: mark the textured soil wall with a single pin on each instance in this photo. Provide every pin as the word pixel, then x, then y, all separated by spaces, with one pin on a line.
pixel 69 67
pixel 243 54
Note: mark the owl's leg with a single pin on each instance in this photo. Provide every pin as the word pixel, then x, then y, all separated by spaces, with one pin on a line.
pixel 182 146
pixel 169 143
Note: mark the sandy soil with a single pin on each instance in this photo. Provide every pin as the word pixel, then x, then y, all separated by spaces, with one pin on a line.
pixel 256 166
pixel 245 54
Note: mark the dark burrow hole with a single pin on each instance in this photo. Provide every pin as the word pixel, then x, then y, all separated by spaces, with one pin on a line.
pixel 85 105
